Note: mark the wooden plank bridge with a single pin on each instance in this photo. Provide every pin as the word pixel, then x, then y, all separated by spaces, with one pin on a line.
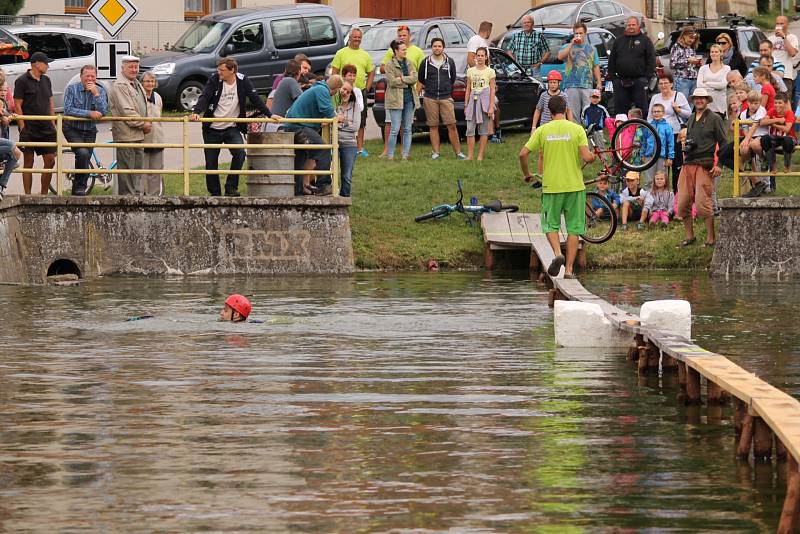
pixel 763 414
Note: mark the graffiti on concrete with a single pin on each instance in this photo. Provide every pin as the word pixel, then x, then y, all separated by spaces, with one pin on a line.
pixel 252 244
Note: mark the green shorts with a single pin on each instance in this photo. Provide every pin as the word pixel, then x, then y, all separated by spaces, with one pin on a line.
pixel 572 205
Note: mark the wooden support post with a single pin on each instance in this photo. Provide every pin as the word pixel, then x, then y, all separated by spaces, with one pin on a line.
pixel 582 257
pixel 642 360
pixel 780 450
pixel 668 363
pixel 713 393
pixel 488 257
pixel 692 386
pixel 790 515
pixel 534 266
pixel 653 357
pixel 633 352
pixel 681 382
pixel 553 295
pixel 739 411
pixel 762 440
pixel 746 438
pixel 542 277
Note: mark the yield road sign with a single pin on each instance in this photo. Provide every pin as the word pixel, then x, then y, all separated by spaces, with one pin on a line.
pixel 108 58
pixel 112 15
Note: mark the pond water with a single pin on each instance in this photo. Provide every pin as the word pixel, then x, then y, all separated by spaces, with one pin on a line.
pixel 372 403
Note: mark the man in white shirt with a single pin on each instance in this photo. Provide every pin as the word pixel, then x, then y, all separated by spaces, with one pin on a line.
pixel 784 48
pixel 477 41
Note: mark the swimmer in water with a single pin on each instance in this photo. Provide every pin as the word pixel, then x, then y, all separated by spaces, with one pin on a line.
pixel 237 308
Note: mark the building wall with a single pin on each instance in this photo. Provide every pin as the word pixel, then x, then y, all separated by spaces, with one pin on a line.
pixel 475 11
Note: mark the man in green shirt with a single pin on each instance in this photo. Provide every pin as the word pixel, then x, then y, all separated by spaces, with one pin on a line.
pixel 415 55
pixel 353 54
pixel 562 145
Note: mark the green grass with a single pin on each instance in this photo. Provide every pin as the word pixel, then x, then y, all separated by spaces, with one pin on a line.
pixel 387 195
pixel 766 19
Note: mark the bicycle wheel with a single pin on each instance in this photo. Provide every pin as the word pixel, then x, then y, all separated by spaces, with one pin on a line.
pixel 636 145
pixel 435 213
pixel 511 208
pixel 69 179
pixel 599 228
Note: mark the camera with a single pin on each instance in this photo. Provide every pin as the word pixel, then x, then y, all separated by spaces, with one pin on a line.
pixel 689 144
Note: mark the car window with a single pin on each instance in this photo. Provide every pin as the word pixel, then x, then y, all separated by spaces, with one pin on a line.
pixel 80 46
pixel 466 31
pixel 52 44
pixel 379 36
pixel 451 34
pixel 598 43
pixel 751 39
pixel 589 11
pixel 321 30
pixel 555 42
pixel 504 66
pixel 433 32
pixel 551 15
pixel 609 9
pixel 288 33
pixel 247 38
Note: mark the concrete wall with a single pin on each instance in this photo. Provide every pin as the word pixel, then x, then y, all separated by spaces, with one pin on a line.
pixel 194 235
pixel 758 237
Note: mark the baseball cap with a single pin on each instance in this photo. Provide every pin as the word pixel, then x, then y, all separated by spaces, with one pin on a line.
pixel 40 56
pixel 129 58
pixel 632 175
pixel 596 92
pixel 621 117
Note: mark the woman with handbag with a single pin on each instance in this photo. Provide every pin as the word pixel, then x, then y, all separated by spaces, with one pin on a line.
pixel 676 111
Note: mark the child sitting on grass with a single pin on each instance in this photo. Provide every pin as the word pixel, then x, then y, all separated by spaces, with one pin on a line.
pixel 600 209
pixel 636 202
pixel 663 200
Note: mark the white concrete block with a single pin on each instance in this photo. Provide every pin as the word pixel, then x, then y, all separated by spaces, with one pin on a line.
pixel 670 315
pixel 582 324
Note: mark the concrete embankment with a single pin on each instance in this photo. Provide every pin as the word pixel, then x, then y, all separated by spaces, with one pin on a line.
pixel 95 236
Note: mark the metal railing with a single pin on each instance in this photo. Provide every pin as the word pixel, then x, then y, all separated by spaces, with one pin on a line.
pixel 59 170
pixel 738 174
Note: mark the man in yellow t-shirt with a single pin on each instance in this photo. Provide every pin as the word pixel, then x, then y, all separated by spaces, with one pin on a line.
pixel 561 145
pixel 353 54
pixel 415 55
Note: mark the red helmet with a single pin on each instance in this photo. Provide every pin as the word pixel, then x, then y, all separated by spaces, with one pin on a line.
pixel 554 75
pixel 240 304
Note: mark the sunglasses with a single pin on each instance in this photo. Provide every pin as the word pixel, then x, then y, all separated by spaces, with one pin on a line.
pixel 723 42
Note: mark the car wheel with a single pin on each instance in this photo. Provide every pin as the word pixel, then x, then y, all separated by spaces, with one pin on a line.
pixel 188 94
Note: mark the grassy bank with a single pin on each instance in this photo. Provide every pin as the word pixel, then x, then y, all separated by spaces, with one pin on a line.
pixel 387 195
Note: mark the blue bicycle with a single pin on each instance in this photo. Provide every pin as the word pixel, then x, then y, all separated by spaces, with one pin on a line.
pixel 472 211
pixel 103 176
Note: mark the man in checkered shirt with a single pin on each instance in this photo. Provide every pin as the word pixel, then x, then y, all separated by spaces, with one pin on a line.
pixel 529 47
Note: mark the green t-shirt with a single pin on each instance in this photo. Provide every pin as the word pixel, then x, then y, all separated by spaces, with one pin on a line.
pixel 360 58
pixel 560 140
pixel 413 53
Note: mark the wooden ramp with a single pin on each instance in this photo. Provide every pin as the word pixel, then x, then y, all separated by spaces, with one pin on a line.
pixel 762 411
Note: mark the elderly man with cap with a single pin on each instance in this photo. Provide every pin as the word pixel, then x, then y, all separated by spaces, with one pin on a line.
pixel 704 131
pixel 33 95
pixel 127 99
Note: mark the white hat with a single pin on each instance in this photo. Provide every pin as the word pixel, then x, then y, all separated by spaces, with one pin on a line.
pixel 620 117
pixel 129 58
pixel 701 93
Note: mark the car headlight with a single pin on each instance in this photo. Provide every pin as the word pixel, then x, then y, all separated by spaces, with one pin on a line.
pixel 164 68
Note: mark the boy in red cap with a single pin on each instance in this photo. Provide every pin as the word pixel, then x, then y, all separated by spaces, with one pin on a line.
pixel 542 114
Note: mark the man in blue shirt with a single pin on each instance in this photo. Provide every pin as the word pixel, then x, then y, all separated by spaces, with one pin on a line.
pixel 88 99
pixel 315 103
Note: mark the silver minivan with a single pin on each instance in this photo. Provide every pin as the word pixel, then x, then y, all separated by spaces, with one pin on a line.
pixel 69 48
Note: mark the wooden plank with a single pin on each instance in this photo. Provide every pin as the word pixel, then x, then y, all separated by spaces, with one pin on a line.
pixel 519 227
pixel 783 417
pixel 496 229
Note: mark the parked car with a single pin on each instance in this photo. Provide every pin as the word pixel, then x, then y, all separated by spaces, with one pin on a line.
pixel 363 24
pixel 261 39
pixel 605 14
pixel 454 32
pixel 69 48
pixel 744 35
pixel 517 92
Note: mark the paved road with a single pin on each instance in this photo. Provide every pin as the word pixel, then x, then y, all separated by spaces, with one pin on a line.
pixel 173 157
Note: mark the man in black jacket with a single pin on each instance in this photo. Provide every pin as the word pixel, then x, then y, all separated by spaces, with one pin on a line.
pixel 632 63
pixel 437 73
pixel 225 96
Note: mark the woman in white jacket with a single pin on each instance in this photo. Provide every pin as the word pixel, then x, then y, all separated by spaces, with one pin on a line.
pixel 714 78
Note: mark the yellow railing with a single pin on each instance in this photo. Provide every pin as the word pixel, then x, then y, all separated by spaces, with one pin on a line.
pixel 737 161
pixel 59 170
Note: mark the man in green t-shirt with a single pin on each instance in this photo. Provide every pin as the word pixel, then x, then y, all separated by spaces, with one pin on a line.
pixel 415 55
pixel 353 54
pixel 562 145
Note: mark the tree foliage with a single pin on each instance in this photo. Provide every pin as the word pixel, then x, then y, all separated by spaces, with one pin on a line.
pixel 10 7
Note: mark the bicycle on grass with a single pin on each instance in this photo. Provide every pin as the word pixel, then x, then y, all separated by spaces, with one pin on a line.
pixel 472 211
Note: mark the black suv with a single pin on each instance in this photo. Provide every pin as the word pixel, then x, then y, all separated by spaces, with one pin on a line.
pixel 454 32
pixel 744 35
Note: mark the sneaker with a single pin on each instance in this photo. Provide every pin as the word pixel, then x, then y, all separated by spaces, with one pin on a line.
pixel 461 156
pixel 496 139
pixel 640 226
pixel 555 265
pixel 623 227
pixel 435 155
pixel 756 191
pixel 324 191
pixel 232 194
pixel 363 153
